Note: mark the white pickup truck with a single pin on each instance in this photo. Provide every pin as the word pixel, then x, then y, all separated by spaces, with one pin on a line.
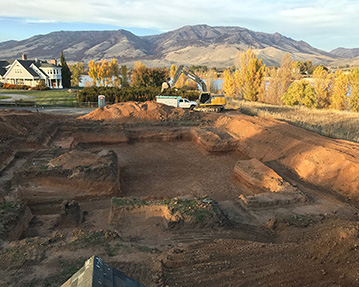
pixel 177 102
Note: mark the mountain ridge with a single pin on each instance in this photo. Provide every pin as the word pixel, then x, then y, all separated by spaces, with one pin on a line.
pixel 197 45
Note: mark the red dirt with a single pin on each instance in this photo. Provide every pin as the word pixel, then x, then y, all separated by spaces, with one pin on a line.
pixel 316 159
pixel 140 112
pixel 277 241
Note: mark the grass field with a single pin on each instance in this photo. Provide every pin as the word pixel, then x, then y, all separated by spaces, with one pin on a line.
pixel 44 98
pixel 39 94
pixel 330 123
pixel 4 97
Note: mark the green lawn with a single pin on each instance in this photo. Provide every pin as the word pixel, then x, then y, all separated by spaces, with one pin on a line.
pixel 4 97
pixel 39 94
pixel 45 98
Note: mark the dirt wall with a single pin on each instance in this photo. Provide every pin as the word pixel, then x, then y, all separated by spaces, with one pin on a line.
pixel 14 219
pixel 316 159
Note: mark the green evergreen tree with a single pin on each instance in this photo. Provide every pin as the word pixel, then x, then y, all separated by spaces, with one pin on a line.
pixel 65 72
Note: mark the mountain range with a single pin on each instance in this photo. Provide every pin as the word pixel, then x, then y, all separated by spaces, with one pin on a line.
pixel 189 45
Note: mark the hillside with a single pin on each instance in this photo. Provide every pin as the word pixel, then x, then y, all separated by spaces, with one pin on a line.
pixel 199 45
pixel 346 53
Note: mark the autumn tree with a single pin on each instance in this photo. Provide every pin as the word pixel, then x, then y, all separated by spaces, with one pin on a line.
pixel 105 73
pixel 229 84
pixel 353 100
pixel 300 93
pixel 114 73
pixel 272 93
pixel 340 91
pixel 322 86
pixel 65 72
pixel 279 80
pixel 77 70
pixel 94 72
pixel 173 70
pixel 145 77
pixel 250 76
pixel 210 76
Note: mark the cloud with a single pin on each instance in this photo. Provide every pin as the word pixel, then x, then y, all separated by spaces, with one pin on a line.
pixel 300 20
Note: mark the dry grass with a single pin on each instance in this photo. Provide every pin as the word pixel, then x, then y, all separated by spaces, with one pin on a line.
pixel 330 123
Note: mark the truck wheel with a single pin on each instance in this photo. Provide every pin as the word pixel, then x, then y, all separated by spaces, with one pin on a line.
pixel 191 107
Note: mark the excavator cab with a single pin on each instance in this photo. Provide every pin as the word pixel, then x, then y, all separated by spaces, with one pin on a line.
pixel 205 98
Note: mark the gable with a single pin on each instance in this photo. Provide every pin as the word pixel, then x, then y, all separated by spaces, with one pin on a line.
pixel 21 71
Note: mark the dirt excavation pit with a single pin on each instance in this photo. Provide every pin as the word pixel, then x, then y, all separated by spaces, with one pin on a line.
pixel 177 198
pixel 58 174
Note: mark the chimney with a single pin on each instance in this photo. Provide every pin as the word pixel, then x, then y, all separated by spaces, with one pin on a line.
pixel 53 61
pixel 24 57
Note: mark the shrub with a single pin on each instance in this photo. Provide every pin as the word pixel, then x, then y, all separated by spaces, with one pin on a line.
pixel 138 94
pixel 40 86
pixel 15 87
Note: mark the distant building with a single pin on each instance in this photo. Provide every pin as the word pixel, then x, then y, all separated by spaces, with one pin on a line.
pixel 96 273
pixel 30 72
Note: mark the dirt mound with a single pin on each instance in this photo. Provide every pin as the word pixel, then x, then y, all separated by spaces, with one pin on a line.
pixel 256 175
pixel 319 160
pixel 214 140
pixel 139 112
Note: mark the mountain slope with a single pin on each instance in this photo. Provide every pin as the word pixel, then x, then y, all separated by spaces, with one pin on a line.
pixel 198 45
pixel 345 53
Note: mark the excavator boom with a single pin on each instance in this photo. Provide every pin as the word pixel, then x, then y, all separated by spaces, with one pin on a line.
pixel 206 101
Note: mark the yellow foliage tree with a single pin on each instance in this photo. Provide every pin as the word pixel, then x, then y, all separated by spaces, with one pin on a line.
pixel 77 70
pixel 229 84
pixel 322 87
pixel 280 80
pixel 300 93
pixel 354 90
pixel 340 91
pixel 250 76
pixel 94 72
pixel 104 73
pixel 114 72
pixel 210 76
pixel 272 93
pixel 173 70
pixel 181 82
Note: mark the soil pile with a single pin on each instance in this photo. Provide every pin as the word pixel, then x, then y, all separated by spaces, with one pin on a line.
pixel 316 159
pixel 256 174
pixel 140 112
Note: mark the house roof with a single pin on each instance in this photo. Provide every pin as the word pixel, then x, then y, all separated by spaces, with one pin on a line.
pixel 40 64
pixel 26 64
pixel 3 64
pixel 97 273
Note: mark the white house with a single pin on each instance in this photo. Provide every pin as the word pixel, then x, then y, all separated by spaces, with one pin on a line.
pixel 31 72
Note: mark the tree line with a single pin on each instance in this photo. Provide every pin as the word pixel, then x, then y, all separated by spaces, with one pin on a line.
pixel 251 80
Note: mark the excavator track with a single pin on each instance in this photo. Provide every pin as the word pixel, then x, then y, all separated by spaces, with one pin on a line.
pixel 210 109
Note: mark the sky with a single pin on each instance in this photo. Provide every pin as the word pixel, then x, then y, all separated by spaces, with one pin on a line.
pixel 324 24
